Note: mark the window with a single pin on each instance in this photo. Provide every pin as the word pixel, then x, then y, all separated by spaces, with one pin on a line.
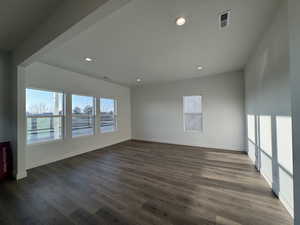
pixel 108 115
pixel 83 115
pixel 192 107
pixel 44 115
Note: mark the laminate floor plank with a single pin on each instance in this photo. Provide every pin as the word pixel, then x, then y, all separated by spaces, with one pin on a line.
pixel 143 183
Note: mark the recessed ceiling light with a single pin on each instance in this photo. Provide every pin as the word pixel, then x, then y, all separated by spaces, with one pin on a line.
pixel 180 21
pixel 88 59
pixel 199 67
pixel 139 80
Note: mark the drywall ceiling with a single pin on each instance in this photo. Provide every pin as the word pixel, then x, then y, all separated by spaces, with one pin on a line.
pixel 142 40
pixel 18 18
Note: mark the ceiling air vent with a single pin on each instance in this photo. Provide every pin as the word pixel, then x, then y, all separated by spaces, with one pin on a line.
pixel 224 19
pixel 106 78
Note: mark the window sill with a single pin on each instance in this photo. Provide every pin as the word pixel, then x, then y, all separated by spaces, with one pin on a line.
pixel 83 136
pixel 193 131
pixel 45 142
pixel 108 132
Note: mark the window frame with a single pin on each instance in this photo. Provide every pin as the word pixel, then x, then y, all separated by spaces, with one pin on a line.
pixel 86 116
pixel 63 117
pixel 67 116
pixel 198 114
pixel 115 115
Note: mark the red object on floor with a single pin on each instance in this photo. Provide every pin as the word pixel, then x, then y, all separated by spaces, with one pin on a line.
pixel 5 160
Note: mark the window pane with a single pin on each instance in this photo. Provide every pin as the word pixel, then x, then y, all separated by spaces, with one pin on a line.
pixel 192 107
pixel 82 125
pixel 107 105
pixel 83 115
pixel 43 103
pixel 193 122
pixel 107 123
pixel 108 114
pixel 44 129
pixel 192 104
pixel 82 105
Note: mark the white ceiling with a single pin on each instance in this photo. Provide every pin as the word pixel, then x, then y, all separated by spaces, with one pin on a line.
pixel 19 18
pixel 142 40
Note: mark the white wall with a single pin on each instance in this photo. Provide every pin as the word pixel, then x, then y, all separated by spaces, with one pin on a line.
pixel 4 97
pixel 47 77
pixel 294 28
pixel 157 113
pixel 268 108
pixel 53 32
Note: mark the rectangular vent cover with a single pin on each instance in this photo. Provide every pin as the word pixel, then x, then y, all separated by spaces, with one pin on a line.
pixel 224 19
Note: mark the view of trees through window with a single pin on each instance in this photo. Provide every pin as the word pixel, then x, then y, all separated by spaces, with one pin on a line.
pixel 108 115
pixel 44 113
pixel 83 115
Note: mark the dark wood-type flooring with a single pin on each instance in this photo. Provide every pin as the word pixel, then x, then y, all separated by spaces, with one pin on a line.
pixel 139 183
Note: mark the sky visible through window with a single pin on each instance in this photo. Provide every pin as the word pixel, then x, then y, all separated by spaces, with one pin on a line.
pixel 44 107
pixel 107 105
pixel 192 104
pixel 81 101
pixel 38 102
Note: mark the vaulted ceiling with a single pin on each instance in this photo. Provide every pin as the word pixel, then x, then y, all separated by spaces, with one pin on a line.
pixel 142 40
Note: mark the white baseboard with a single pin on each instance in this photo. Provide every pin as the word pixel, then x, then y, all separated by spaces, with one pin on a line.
pixel 267 179
pixel 285 203
pixel 20 175
pixel 200 146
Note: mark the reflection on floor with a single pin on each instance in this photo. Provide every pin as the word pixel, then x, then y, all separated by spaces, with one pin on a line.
pixel 143 183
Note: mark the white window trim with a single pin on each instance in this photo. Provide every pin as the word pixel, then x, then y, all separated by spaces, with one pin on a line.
pixel 66 118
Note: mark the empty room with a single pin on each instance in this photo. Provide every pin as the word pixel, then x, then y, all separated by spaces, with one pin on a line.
pixel 147 112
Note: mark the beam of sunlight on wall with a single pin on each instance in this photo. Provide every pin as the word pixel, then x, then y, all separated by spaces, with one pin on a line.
pixel 251 128
pixel 267 168
pixel 265 134
pixel 286 188
pixel 284 142
pixel 251 137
